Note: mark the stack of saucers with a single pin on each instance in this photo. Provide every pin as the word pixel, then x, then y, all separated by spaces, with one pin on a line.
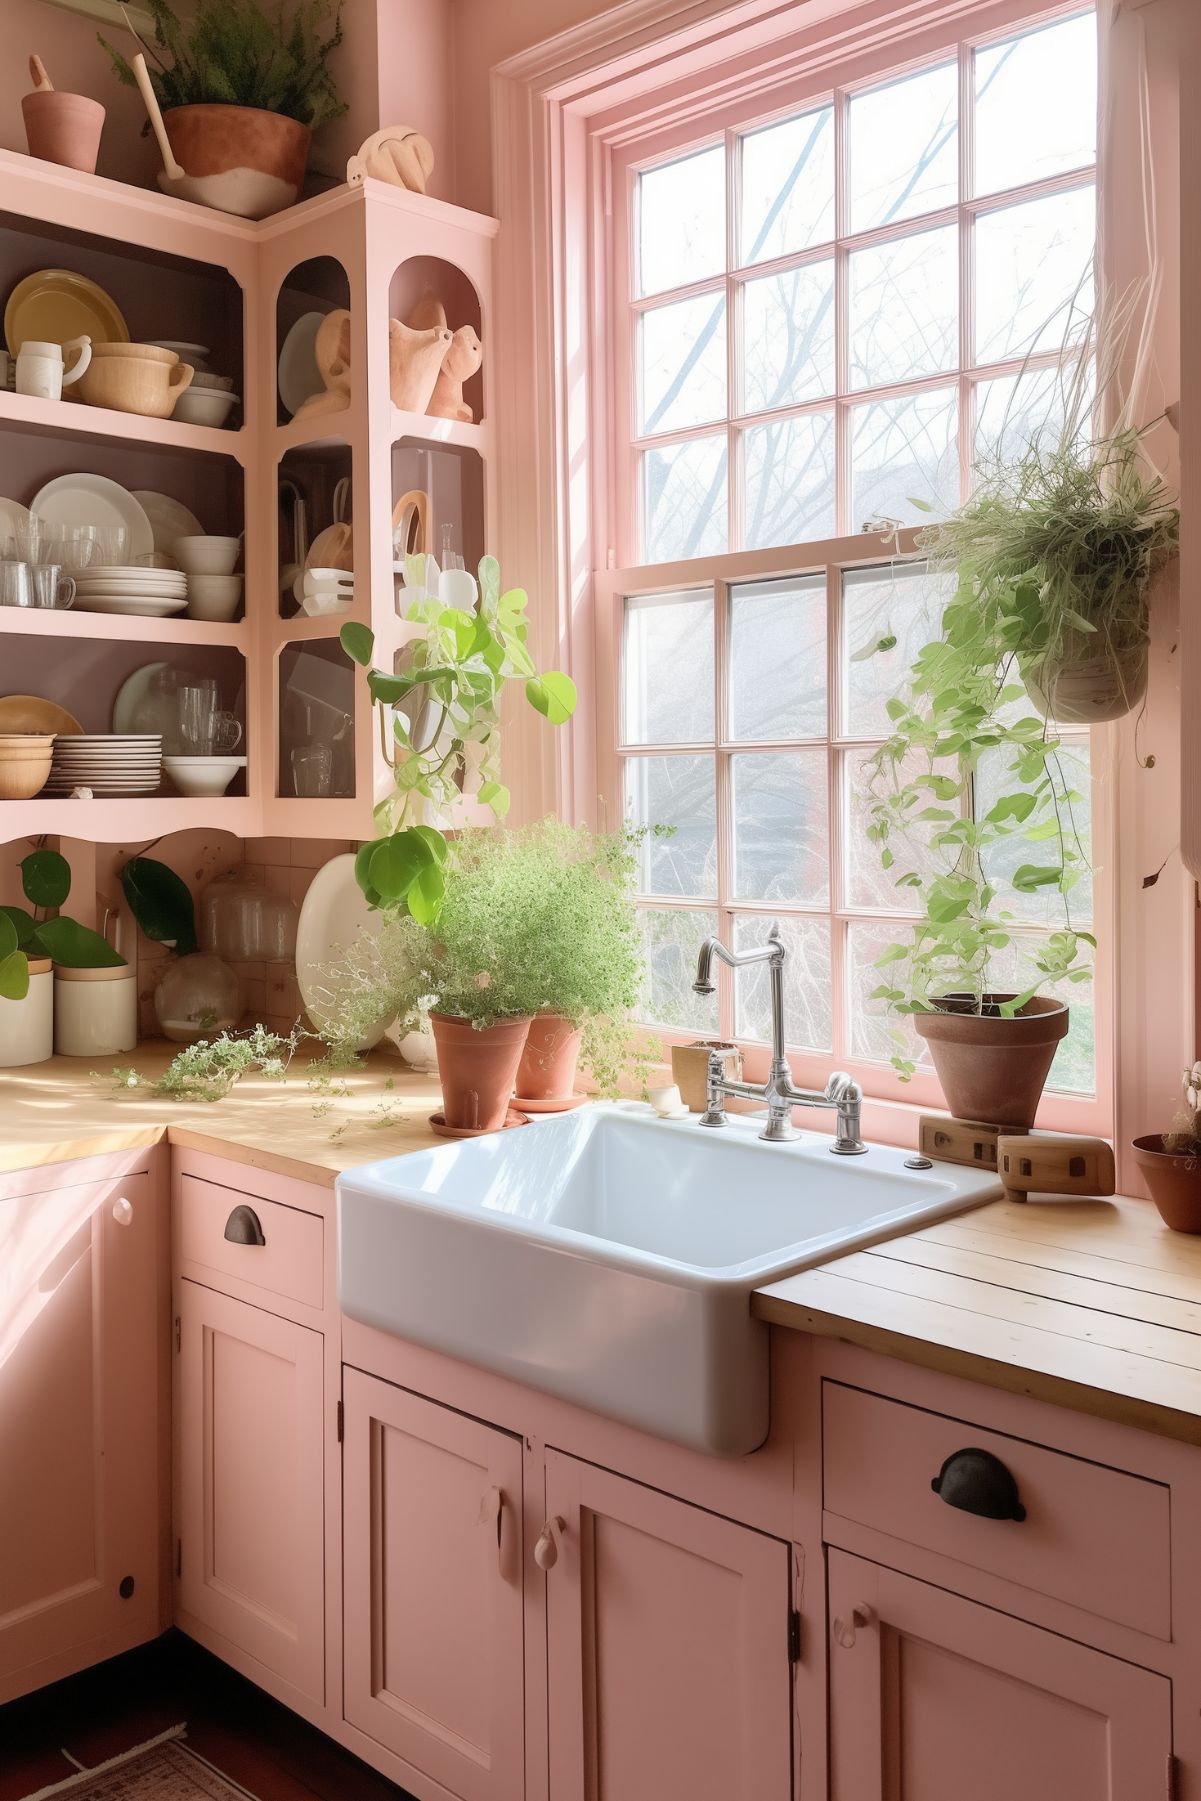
pixel 114 588
pixel 109 763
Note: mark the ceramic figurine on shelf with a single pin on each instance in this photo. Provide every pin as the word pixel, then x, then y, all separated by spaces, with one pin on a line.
pixel 397 154
pixel 414 362
pixel 61 128
pixel 464 354
pixel 331 350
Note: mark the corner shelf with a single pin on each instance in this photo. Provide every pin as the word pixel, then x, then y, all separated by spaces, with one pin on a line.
pixel 433 430
pixel 97 424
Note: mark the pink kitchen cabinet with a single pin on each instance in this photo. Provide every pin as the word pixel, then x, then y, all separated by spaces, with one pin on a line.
pixel 434 1589
pixel 82 1308
pixel 250 1501
pixel 670 1646
pixel 933 1698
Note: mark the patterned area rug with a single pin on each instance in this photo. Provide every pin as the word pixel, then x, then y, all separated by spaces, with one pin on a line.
pixel 162 1770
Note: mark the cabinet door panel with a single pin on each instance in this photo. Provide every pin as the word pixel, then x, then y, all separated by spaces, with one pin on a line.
pixel 433 1572
pixel 669 1664
pixel 79 1418
pixel 251 1482
pixel 933 1697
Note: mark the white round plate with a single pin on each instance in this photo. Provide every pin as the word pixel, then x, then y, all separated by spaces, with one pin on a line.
pixel 130 695
pixel 299 376
pixel 94 500
pixel 169 519
pixel 331 916
pixel 146 606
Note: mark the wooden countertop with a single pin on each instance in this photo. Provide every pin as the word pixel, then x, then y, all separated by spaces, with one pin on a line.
pixel 67 1108
pixel 1089 1304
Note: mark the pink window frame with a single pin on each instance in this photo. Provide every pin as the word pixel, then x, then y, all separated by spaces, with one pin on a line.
pixel 892 1105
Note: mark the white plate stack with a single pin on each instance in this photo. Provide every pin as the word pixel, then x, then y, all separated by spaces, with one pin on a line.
pixel 117 588
pixel 109 763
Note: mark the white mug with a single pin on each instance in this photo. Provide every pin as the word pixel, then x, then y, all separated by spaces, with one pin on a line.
pixel 40 367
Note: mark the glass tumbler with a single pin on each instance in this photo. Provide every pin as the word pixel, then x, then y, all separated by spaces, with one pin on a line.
pixel 16 589
pixel 51 588
pixel 312 769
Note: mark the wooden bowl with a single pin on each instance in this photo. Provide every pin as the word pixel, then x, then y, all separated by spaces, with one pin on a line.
pixel 23 771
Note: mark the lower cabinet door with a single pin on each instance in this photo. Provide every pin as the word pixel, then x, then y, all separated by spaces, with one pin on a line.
pixel 80 1363
pixel 433 1633
pixel 934 1698
pixel 251 1483
pixel 669 1663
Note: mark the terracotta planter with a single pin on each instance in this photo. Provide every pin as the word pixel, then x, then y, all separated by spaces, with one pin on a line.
pixel 548 1062
pixel 252 162
pixel 993 1070
pixel 477 1069
pixel 690 1069
pixel 1174 1180
pixel 1089 690
pixel 63 128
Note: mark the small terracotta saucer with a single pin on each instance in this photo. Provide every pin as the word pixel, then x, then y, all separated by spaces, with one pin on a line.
pixel 562 1103
pixel 439 1125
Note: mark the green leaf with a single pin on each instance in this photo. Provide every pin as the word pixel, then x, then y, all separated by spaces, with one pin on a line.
pixel 8 935
pixel 23 923
pixel 426 893
pixel 362 865
pixel 553 695
pixel 496 796
pixel 46 878
pixel 396 863
pixel 434 839
pixel 358 641
pixel 1011 806
pixel 388 689
pixel 161 902
pixel 1037 875
pixel 75 946
pixel 14 976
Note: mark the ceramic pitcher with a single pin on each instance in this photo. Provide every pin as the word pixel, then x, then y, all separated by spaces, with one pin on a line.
pixel 41 367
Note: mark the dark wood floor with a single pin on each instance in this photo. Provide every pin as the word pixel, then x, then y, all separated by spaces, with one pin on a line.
pixel 245 1733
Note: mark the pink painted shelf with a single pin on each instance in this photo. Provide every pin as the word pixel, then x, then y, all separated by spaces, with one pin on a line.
pixel 74 627
pixel 85 423
pixel 113 821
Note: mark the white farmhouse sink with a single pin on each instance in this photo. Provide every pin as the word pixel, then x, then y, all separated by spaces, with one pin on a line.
pixel 609 1257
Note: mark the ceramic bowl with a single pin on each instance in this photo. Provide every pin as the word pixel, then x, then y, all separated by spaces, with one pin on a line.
pixel 204 406
pixel 206 555
pixel 24 769
pixel 207 776
pixel 134 378
pixel 214 596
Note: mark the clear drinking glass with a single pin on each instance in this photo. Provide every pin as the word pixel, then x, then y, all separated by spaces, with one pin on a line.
pixel 51 588
pixel 312 770
pixel 204 730
pixel 16 589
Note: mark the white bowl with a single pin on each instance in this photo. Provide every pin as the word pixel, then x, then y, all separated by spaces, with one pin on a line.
pixel 204 406
pixel 214 596
pixel 206 776
pixel 206 555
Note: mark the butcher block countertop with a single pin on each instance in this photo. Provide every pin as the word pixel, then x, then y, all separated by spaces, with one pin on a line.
pixel 68 1108
pixel 1089 1304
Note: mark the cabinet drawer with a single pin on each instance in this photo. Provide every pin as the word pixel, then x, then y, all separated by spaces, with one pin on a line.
pixel 1093 1537
pixel 290 1261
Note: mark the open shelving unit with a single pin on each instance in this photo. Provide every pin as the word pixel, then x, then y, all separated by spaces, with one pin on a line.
pixel 185 272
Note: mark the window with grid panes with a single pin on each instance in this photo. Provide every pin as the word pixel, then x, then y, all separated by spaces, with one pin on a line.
pixel 830 318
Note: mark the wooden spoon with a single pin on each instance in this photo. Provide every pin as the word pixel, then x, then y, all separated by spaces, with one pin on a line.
pixel 37 74
pixel 173 170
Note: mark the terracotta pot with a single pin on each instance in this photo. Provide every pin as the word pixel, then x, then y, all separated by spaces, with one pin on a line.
pixel 241 141
pixel 1174 1180
pixel 1089 690
pixel 993 1070
pixel 548 1062
pixel 690 1069
pixel 64 128
pixel 129 383
pixel 477 1069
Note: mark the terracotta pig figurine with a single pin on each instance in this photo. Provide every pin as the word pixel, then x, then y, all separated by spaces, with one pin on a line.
pixel 460 363
pixel 414 362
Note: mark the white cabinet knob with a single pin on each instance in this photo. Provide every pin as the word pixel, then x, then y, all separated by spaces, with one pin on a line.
pixel 546 1551
pixel 123 1212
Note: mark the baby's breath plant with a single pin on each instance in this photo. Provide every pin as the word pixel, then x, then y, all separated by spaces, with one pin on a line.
pixel 210 1068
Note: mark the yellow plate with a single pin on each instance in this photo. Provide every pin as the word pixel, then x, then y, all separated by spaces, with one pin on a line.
pixel 29 713
pixel 56 305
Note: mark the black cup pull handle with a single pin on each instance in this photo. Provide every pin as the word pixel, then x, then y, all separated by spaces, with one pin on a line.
pixel 977 1482
pixel 243 1227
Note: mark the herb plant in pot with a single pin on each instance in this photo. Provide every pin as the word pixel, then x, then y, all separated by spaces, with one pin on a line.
pixel 241 85
pixel 1171 1161
pixel 88 1005
pixel 972 806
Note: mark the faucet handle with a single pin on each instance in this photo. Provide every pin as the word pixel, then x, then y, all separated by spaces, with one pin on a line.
pixel 840 1086
pixel 715 1069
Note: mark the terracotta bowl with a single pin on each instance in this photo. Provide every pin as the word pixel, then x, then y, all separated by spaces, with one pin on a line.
pixel 1174 1180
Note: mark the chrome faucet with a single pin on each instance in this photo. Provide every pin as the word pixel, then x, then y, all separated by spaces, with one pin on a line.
pixel 841 1093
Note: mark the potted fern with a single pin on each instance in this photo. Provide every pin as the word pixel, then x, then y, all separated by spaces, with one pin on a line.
pixel 970 978
pixel 242 86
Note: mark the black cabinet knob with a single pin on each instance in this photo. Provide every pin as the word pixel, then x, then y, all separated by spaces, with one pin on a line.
pixel 977 1482
pixel 243 1227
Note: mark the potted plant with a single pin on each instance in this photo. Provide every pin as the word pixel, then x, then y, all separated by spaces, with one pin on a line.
pixel 969 977
pixel 1059 546
pixel 440 721
pixel 242 85
pixel 88 1005
pixel 1171 1161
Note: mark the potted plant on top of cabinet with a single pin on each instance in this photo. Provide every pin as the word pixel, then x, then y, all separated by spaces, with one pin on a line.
pixel 242 86
pixel 98 1014
pixel 970 978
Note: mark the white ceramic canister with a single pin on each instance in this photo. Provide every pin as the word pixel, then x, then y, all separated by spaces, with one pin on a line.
pixel 27 1026
pixel 95 1011
pixel 41 367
